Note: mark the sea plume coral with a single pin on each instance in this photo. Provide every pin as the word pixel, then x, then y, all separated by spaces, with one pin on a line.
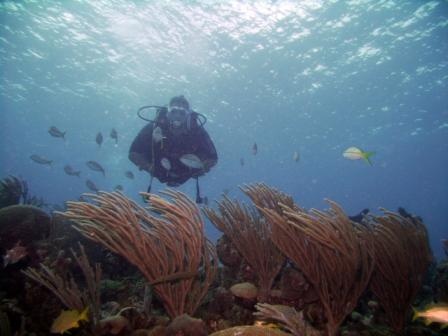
pixel 67 290
pixel 334 253
pixel 250 233
pixel 403 256
pixel 12 189
pixel 167 243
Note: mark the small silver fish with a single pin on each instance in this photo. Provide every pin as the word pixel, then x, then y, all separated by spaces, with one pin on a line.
pixel 129 175
pixel 114 135
pixel 40 160
pixel 96 167
pixel 254 149
pixel 91 186
pixel 70 171
pixel 55 132
pixel 99 139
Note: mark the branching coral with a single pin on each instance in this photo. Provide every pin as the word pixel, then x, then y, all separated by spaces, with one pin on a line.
pixel 167 245
pixel 403 256
pixel 445 246
pixel 68 292
pixel 267 197
pixel 250 234
pixel 334 253
pixel 12 189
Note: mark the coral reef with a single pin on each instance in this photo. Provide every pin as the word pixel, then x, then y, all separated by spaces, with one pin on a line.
pixel 186 325
pixel 23 222
pixel 440 282
pixel 68 291
pixel 308 269
pixel 250 331
pixel 23 229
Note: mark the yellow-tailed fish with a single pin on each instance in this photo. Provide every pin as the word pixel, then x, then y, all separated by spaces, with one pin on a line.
pixel 433 313
pixel 354 153
pixel 68 319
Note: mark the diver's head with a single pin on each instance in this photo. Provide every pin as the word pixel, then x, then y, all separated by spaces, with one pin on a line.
pixel 178 111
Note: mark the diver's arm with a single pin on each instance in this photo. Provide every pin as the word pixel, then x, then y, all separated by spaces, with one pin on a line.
pixel 206 151
pixel 140 152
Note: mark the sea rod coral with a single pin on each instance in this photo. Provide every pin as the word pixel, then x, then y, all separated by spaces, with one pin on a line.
pixel 166 243
pixel 403 256
pixel 335 254
pixel 250 234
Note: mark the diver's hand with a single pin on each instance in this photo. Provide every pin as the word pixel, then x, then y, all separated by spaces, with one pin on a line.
pixel 206 165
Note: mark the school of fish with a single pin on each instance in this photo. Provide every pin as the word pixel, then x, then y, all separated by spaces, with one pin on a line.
pixel 189 160
pixel 91 164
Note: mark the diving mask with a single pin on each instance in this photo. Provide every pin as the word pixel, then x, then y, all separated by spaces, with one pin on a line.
pixel 177 115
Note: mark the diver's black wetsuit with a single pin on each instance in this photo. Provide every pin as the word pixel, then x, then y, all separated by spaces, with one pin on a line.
pixel 194 140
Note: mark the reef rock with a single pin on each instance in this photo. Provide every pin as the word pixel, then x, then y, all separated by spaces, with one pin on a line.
pixel 245 290
pixel 227 253
pixel 113 325
pixel 186 325
pixel 24 223
pixel 250 331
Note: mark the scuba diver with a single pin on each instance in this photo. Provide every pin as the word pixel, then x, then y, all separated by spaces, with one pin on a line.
pixel 175 146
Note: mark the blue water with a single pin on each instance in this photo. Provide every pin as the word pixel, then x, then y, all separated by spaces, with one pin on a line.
pixel 314 77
